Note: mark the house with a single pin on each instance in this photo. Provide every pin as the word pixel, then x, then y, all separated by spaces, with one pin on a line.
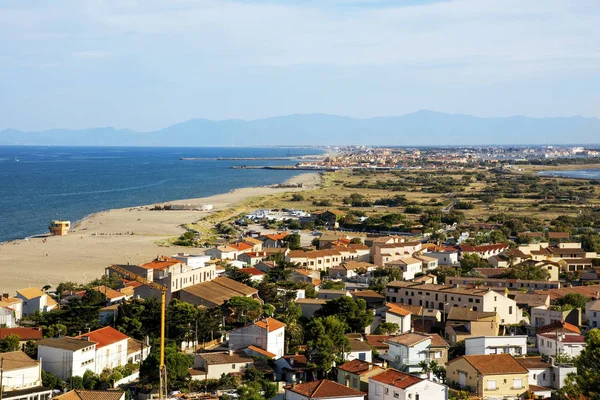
pixel 257 245
pixel 214 365
pixel 267 334
pixel 108 315
pixel 293 368
pixel 21 378
pixel 253 257
pixel 222 253
pixel 575 264
pixel 443 297
pixel 91 395
pixel 242 247
pixel 321 390
pixel 274 240
pixel 544 315
pixel 24 334
pixel 216 292
pixel 462 323
pixel 379 343
pixel 488 376
pixel 356 373
pixel 255 274
pixel 66 357
pixel 399 315
pixel 545 375
pixel 560 341
pixel 409 349
pixel 113 296
pixel 483 251
pixel 316 259
pixel 358 349
pixel 529 300
pixel 445 256
pixel 137 351
pixel 331 294
pixel 428 263
pixel 111 347
pixel 592 313
pixel 193 260
pixel 305 275
pixel 513 345
pixel 393 384
pixel 7 317
pixel 13 303
pixel 310 306
pixel 410 266
pixel 349 269
pixel 371 297
pixel 385 253
pixel 36 300
pixel 169 272
pixel 515 284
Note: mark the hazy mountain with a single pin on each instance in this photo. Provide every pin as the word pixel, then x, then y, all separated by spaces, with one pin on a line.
pixel 419 128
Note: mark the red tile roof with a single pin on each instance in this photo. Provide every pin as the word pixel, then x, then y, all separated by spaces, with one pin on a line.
pixel 359 367
pixel 252 271
pixel 241 246
pixel 271 323
pixel 323 389
pixel 557 325
pixel 494 364
pixel 396 378
pixel 104 336
pixel 161 263
pixel 23 333
pixel 263 352
pixel 378 341
pixel 397 310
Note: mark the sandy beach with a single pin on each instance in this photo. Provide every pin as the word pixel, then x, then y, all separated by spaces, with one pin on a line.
pixel 106 238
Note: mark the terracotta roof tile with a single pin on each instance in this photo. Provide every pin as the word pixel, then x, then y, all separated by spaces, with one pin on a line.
pixel 396 378
pixel 397 309
pixel 271 323
pixel 263 352
pixel 23 333
pixel 359 367
pixel 104 336
pixel 323 389
pixel 494 364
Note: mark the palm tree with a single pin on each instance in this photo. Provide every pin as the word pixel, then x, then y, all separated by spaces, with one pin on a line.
pixel 425 368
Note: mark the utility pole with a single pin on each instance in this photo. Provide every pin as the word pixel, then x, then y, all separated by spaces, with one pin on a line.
pixel 1 375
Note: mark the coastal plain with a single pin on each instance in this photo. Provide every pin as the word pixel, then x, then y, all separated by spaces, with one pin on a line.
pixel 133 235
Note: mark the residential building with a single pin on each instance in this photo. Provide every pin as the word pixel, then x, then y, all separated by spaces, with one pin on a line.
pixel 358 349
pixel 255 274
pixel 13 303
pixel 21 378
pixel 544 374
pixel 35 300
pixel 193 260
pixel 513 345
pixel 483 251
pixel 66 357
pixel 214 365
pixel 274 240
pixel 321 390
pixel 356 373
pixel 111 347
pixel 488 376
pixel 253 257
pixel 517 284
pixel 305 275
pixel 410 266
pixel 399 315
pixel 216 292
pixel 553 343
pixel 445 257
pixel 409 349
pixel 393 384
pixel 543 315
pixel 462 323
pixel 385 253
pixel 222 253
pixel 293 368
pixel 371 297
pixel 331 294
pixel 319 260
pixel 592 313
pixel 169 272
pixel 24 334
pixel 379 343
pixel 310 306
pixel 429 263
pixel 7 317
pixel 444 297
pixel 349 269
pixel 267 334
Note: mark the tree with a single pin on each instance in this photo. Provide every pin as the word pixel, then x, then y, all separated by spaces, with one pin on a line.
pixel 353 312
pixel 292 241
pixel 527 272
pixel 333 285
pixel 387 328
pixel 77 382
pixel 177 365
pixel 294 331
pixel 10 343
pixel 585 381
pixel 576 300
pixel 328 338
pixel 89 380
pixel 443 272
pixel 51 381
pixel 590 242
pixel 237 275
pixel 242 309
pixel 31 349
pixel 139 319
pixel 297 197
pixel 209 323
pixel 356 240
pixel 181 317
pixel 471 260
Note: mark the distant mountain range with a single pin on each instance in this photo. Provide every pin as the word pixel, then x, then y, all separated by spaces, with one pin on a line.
pixel 420 128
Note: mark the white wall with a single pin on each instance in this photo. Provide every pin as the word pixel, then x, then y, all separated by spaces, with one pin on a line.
pixel 21 378
pixel 496 345
pixel 66 363
pixel 547 347
pixel 425 390
pixel 110 356
pixel 6 317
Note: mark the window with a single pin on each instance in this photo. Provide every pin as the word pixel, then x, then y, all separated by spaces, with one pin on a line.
pixel 491 385
pixel 470 300
pixel 510 309
pixel 362 356
pixel 495 298
pixel 387 390
pixel 477 301
pixel 396 395
pixel 437 354
pixel 232 366
pixel 517 383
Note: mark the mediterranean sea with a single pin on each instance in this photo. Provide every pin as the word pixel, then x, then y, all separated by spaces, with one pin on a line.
pixel 39 184
pixel 592 173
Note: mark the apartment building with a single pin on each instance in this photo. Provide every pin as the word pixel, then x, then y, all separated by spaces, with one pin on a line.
pixel 383 254
pixel 503 283
pixel 444 297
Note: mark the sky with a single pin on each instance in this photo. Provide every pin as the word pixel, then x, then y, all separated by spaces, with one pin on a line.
pixel 147 64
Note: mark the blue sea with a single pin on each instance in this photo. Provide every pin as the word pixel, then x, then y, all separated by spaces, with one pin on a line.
pixel 590 173
pixel 40 184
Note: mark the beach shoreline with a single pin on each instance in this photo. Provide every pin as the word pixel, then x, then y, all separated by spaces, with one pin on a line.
pixel 114 236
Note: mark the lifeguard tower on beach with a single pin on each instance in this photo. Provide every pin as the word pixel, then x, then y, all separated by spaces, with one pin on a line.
pixel 59 228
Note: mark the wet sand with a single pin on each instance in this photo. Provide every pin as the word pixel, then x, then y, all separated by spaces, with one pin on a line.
pixel 106 238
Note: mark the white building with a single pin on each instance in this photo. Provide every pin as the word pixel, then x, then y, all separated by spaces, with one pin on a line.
pixel 222 253
pixel 396 385
pixel 321 390
pixel 445 258
pixel 592 313
pixel 399 315
pixel 34 299
pixel 443 297
pixel 406 351
pixel 553 343
pixel 22 378
pixel 214 365
pixel 7 317
pixel 111 347
pixel 66 357
pixel 13 303
pixel 358 349
pixel 267 334
pixel 514 345
pixel 410 267
pixel 193 260
pixel 545 374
